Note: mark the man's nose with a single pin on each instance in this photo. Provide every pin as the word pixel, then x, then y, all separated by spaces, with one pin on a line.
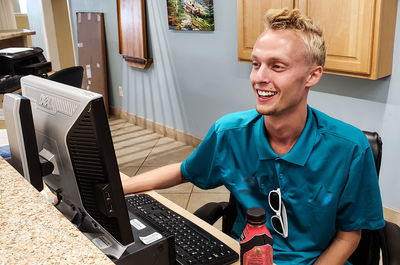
pixel 263 75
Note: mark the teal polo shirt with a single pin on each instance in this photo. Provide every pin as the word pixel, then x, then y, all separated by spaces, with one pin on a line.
pixel 328 179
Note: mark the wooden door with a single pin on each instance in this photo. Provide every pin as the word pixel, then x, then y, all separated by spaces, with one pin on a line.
pixel 348 28
pixel 132 32
pixel 251 22
pixel 92 53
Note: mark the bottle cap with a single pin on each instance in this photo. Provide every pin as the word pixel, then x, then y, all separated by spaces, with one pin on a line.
pixel 256 216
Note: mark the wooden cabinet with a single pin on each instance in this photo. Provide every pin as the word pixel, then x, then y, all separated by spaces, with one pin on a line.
pixel 251 22
pixel 359 33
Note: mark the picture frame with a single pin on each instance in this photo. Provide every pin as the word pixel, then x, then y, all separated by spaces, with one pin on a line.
pixel 191 15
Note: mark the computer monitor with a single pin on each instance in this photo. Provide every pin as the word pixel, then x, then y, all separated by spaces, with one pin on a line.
pixel 22 140
pixel 72 132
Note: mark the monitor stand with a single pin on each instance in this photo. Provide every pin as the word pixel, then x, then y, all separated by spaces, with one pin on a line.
pixel 139 252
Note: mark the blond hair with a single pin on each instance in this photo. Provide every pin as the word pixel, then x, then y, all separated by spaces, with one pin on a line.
pixel 310 32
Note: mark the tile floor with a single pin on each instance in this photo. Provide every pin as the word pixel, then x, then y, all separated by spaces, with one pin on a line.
pixel 139 150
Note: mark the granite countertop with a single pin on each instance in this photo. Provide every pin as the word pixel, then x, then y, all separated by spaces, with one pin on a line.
pixel 33 231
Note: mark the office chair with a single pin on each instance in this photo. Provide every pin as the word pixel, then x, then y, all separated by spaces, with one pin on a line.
pixel 72 76
pixel 386 239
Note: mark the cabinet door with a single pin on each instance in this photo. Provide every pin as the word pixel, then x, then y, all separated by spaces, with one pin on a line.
pixel 348 28
pixel 251 22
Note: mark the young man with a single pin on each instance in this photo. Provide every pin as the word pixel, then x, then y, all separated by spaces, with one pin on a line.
pixel 314 175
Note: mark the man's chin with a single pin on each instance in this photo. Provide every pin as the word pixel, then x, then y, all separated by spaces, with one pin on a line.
pixel 264 111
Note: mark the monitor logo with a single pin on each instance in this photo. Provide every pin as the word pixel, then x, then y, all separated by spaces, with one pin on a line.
pixel 54 104
pixel 44 101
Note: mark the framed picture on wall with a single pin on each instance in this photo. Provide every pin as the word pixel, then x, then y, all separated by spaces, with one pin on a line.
pixel 187 15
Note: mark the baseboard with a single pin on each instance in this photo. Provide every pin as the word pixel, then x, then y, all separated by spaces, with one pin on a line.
pixel 156 127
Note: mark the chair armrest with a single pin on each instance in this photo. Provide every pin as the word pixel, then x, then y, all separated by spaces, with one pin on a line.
pixel 211 212
pixel 392 238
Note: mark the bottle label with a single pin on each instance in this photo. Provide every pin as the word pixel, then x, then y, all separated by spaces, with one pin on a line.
pixel 256 246
pixel 259 255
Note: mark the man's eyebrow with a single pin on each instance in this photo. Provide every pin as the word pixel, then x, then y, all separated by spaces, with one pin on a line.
pixel 272 59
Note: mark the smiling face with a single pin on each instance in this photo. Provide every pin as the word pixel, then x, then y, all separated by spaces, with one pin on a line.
pixel 281 75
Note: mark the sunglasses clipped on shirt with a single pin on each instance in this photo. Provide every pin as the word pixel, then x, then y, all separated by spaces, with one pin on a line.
pixel 279 220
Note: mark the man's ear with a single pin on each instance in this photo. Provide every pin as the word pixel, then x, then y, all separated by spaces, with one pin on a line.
pixel 314 76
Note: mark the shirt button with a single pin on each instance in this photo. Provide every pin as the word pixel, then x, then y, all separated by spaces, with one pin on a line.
pixel 281 176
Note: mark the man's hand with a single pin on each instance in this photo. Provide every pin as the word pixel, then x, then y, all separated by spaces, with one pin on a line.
pixel 341 248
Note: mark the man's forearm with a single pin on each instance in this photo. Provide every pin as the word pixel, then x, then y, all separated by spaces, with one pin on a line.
pixel 340 249
pixel 160 178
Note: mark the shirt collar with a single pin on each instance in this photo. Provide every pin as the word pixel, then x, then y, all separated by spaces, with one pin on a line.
pixel 300 151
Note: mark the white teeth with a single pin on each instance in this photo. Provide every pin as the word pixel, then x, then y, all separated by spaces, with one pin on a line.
pixel 265 93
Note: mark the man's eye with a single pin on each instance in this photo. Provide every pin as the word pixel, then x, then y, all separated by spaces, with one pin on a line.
pixel 255 64
pixel 277 67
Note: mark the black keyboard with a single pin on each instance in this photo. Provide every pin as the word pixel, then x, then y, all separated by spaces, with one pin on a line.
pixel 193 245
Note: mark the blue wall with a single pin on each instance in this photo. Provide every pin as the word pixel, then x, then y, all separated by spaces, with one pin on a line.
pixel 195 79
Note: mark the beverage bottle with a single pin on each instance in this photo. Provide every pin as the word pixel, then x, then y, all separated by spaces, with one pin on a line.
pixel 256 240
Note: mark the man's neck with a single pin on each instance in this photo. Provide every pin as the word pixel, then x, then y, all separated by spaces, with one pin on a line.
pixel 283 132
